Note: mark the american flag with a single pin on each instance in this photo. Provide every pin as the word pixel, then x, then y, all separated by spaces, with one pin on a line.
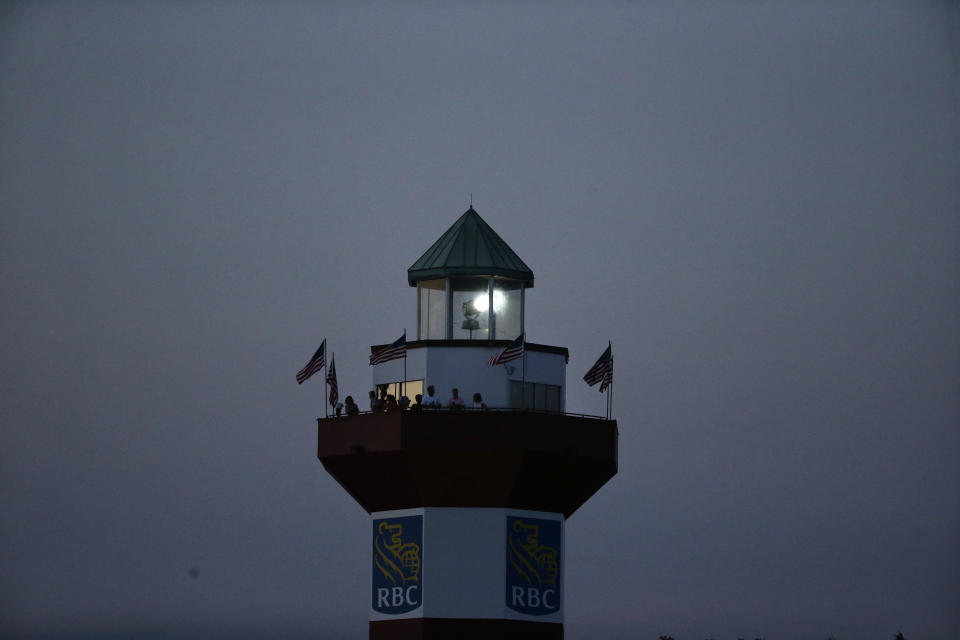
pixel 510 352
pixel 316 363
pixel 332 381
pixel 602 370
pixel 396 350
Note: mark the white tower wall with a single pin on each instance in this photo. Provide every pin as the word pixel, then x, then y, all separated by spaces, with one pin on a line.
pixel 463 367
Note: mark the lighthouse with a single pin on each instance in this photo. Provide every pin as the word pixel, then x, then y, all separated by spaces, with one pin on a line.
pixel 468 505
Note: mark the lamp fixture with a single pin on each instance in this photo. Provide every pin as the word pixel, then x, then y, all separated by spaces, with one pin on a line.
pixel 482 302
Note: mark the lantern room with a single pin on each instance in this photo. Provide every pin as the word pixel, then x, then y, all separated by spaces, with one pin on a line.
pixel 470 285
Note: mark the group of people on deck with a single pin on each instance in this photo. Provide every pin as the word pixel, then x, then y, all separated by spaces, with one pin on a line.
pixel 455 401
pixel 387 402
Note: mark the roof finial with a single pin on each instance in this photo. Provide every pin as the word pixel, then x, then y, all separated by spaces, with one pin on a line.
pixel 471 199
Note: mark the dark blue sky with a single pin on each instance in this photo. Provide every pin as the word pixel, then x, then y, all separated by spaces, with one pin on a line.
pixel 756 202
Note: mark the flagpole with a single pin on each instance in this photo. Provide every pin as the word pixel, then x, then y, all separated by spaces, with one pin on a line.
pixel 610 388
pixel 524 385
pixel 606 402
pixel 325 414
pixel 403 389
pixel 609 391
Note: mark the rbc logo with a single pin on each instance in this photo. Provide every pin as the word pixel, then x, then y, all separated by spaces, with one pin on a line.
pixel 533 565
pixel 396 564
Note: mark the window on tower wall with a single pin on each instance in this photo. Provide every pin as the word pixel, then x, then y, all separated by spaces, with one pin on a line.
pixel 534 395
pixel 471 308
pixel 410 388
pixel 433 309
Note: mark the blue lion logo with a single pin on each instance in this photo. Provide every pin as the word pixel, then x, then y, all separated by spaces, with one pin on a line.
pixel 533 565
pixel 534 562
pixel 397 564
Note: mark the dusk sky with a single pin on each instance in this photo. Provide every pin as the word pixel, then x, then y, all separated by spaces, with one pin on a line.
pixel 758 203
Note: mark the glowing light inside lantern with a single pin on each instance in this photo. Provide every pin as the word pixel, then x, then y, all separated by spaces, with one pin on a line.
pixel 482 302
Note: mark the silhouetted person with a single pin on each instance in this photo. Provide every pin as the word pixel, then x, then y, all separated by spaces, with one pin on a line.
pixel 382 400
pixel 432 401
pixel 456 402
pixel 478 402
pixel 391 404
pixel 351 407
pixel 417 406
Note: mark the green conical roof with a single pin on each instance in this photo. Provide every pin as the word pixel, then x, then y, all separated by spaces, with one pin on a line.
pixel 469 248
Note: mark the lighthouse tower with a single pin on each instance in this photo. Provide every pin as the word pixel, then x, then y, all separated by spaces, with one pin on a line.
pixel 468 506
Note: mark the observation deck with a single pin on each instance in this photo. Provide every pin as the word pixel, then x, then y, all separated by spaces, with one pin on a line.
pixel 521 459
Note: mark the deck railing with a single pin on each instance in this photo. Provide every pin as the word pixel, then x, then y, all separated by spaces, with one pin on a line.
pixel 473 410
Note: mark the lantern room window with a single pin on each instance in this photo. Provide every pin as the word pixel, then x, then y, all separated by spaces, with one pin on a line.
pixel 470 308
pixel 507 308
pixel 433 309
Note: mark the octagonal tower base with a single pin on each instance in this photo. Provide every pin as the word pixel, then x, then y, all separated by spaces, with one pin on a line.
pixel 468 514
